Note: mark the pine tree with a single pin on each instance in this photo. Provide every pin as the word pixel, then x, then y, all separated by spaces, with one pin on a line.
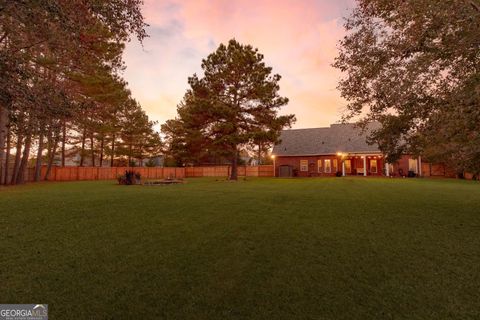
pixel 234 104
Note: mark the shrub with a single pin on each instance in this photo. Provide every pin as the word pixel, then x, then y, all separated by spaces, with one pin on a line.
pixel 150 163
pixel 130 177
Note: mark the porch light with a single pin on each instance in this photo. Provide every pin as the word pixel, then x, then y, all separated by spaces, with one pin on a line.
pixel 272 156
pixel 339 154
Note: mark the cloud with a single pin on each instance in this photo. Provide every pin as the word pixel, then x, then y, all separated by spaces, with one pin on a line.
pixel 297 38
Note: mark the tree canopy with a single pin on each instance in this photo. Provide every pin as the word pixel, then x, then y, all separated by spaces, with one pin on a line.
pixel 234 104
pixel 60 81
pixel 414 66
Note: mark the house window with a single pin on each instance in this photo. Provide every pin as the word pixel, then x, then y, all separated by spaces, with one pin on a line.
pixel 348 166
pixel 303 165
pixel 373 166
pixel 328 166
pixel 412 165
pixel 335 165
pixel 319 165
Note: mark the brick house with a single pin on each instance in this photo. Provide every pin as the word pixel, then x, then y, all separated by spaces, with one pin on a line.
pixel 340 149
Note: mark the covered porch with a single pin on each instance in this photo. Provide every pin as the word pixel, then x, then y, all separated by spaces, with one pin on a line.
pixel 363 164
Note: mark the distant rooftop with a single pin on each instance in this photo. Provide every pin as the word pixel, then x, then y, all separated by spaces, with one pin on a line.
pixel 327 140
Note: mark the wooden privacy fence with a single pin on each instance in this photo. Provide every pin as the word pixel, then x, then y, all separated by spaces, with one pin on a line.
pixel 111 173
pixel 437 170
pixel 224 171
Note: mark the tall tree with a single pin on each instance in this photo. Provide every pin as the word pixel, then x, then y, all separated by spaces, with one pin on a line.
pixel 138 138
pixel 186 141
pixel 56 56
pixel 235 102
pixel 414 66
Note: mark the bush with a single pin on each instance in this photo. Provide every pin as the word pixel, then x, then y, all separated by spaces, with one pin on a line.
pixel 150 163
pixel 130 177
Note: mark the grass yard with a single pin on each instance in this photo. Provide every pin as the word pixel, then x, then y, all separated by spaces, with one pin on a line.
pixel 332 248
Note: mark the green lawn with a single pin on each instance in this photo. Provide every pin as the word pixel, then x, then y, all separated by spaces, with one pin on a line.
pixel 332 248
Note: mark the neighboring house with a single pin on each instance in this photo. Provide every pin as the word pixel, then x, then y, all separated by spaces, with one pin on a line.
pixel 340 149
pixel 73 158
pixel 246 159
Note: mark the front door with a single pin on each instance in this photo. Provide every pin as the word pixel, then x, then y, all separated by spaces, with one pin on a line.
pixel 373 166
pixel 348 166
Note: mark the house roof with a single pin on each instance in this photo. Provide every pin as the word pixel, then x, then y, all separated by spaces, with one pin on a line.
pixel 328 140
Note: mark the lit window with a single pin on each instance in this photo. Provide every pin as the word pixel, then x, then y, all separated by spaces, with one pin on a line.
pixel 373 165
pixel 303 165
pixel 412 165
pixel 348 166
pixel 319 164
pixel 335 165
pixel 328 166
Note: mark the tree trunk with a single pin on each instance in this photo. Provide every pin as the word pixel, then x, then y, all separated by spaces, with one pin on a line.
pixel 52 156
pixel 82 151
pixel 92 149
pixel 16 164
pixel 475 6
pixel 129 155
pixel 102 143
pixel 234 172
pixel 7 157
pixel 259 154
pixel 3 135
pixel 38 163
pixel 24 162
pixel 49 143
pixel 113 150
pixel 64 141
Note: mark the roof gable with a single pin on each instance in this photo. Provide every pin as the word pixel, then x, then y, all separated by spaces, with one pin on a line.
pixel 328 140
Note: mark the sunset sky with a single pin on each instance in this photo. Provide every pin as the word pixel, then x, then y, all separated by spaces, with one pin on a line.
pixel 298 39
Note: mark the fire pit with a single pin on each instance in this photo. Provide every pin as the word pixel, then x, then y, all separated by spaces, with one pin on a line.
pixel 163 182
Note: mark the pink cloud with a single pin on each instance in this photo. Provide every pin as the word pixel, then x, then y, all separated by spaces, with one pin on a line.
pixel 298 39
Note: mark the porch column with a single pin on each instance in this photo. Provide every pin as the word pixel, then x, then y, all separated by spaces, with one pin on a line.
pixel 343 168
pixel 419 166
pixel 364 166
pixel 274 168
pixel 387 169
